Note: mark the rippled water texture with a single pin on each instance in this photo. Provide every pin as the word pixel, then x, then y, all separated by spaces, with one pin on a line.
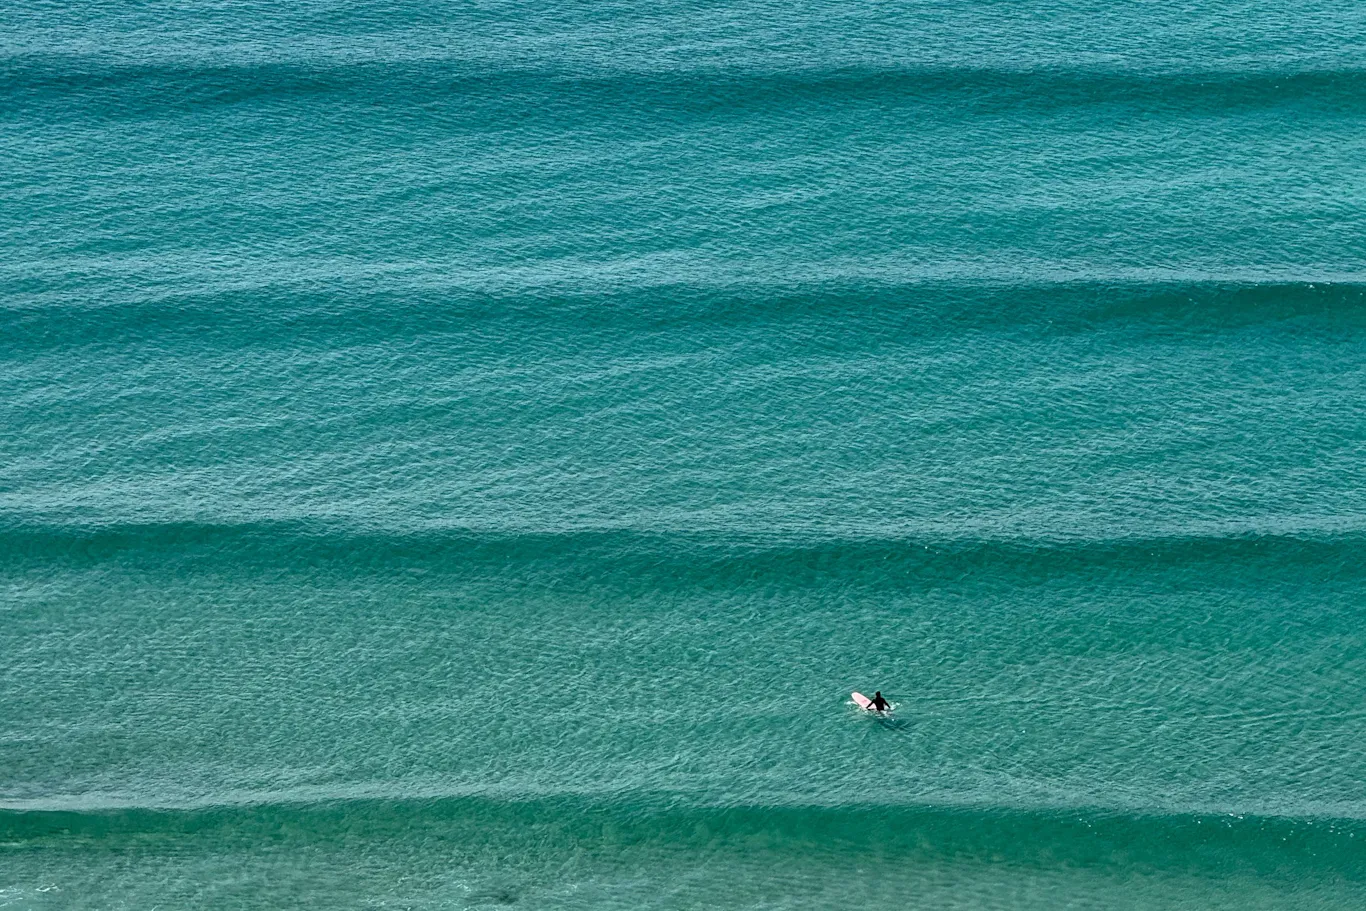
pixel 464 456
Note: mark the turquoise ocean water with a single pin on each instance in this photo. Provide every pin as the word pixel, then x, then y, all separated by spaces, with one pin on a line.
pixel 464 455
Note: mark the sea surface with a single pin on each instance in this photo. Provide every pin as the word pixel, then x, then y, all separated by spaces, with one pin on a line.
pixel 464 455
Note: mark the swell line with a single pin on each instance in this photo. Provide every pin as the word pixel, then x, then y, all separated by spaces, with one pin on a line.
pixel 1080 837
pixel 278 315
pixel 669 560
pixel 116 89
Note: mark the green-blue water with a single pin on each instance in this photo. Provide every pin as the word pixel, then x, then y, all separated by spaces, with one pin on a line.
pixel 460 456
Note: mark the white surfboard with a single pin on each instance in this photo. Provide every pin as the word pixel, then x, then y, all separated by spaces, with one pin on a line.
pixel 862 701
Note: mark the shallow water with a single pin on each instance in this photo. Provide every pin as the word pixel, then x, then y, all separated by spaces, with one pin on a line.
pixel 466 457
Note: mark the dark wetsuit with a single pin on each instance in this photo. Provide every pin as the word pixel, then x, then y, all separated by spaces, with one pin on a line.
pixel 879 704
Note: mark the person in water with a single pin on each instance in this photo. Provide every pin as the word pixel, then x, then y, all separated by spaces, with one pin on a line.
pixel 878 704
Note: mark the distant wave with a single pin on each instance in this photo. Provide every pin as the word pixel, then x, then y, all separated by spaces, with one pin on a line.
pixel 119 89
pixel 1081 837
pixel 670 560
pixel 283 315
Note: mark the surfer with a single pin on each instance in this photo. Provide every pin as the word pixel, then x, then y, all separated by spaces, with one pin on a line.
pixel 878 704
